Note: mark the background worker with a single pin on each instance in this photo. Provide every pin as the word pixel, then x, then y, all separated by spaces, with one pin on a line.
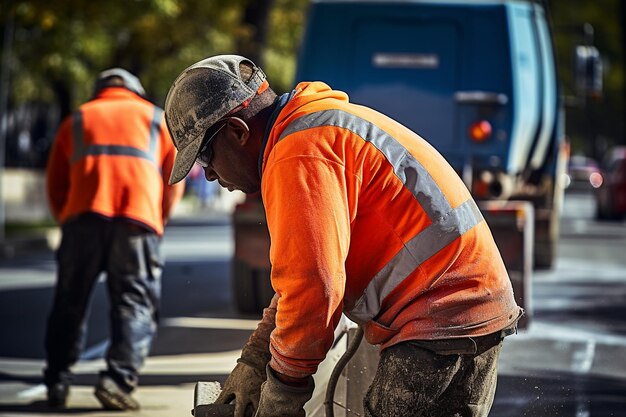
pixel 107 187
pixel 365 218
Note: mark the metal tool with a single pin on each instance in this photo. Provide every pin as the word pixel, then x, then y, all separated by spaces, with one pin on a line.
pixel 206 393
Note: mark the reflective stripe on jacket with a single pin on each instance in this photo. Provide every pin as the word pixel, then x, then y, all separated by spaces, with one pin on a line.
pixel 113 157
pixel 367 218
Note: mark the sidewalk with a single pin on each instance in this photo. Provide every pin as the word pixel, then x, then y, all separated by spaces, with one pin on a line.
pixel 537 362
pixel 570 362
pixel 13 246
pixel 166 386
pixel 186 210
pixel 167 382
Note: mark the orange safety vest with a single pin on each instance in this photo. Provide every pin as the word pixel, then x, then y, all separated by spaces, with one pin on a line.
pixel 113 157
pixel 367 218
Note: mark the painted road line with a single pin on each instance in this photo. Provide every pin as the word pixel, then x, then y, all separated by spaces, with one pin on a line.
pixel 12 279
pixel 581 364
pixel 95 352
pixel 36 391
pixel 583 359
pixel 203 364
pixel 545 331
pixel 211 323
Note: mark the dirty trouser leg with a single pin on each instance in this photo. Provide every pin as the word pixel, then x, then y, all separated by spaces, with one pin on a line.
pixel 414 381
pixel 134 284
pixel 79 260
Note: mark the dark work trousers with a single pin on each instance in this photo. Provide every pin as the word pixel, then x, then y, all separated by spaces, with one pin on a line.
pixel 445 378
pixel 130 257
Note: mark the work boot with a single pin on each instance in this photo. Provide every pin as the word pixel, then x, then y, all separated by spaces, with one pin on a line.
pixel 113 397
pixel 57 394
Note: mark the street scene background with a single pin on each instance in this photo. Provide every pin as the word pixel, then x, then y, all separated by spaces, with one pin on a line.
pixel 570 361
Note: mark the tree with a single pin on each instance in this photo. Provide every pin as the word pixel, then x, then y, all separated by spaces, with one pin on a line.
pixel 253 30
pixel 623 27
pixel 599 124
pixel 61 45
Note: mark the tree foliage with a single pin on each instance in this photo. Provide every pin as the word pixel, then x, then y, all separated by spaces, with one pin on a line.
pixel 594 125
pixel 59 46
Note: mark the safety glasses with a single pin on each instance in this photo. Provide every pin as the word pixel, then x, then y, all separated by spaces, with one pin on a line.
pixel 206 152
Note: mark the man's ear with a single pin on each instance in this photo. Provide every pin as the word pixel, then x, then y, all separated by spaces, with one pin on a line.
pixel 239 129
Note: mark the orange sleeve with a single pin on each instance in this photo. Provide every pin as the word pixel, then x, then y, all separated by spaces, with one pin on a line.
pixel 58 169
pixel 171 193
pixel 308 219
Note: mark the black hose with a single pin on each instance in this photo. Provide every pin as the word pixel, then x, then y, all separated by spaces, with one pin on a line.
pixel 334 376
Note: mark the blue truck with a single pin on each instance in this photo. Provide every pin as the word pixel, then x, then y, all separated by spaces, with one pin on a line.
pixel 477 79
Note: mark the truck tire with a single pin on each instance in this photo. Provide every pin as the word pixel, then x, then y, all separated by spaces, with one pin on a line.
pixel 547 228
pixel 243 290
pixel 604 211
pixel 545 253
pixel 601 212
pixel 252 290
pixel 264 289
pixel 548 214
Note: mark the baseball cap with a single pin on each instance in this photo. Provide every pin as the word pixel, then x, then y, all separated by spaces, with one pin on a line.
pixel 131 82
pixel 201 95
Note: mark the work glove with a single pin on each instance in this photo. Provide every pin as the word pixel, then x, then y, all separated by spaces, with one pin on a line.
pixel 243 385
pixel 281 400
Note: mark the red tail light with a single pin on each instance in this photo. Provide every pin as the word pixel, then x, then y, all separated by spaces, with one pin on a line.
pixel 480 131
pixel 596 179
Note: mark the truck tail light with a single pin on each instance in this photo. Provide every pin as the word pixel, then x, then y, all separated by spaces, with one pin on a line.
pixel 480 131
pixel 596 179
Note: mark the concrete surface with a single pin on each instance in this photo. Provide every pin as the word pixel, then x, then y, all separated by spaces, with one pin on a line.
pixel 168 399
pixel 170 379
pixel 570 363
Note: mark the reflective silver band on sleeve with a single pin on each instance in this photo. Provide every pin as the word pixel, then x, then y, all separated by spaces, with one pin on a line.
pixel 415 252
pixel 447 223
pixel 408 169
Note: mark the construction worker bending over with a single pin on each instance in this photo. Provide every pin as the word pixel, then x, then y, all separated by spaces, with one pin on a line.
pixel 366 218
pixel 107 185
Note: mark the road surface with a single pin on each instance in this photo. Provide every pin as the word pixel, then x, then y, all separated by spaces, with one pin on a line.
pixel 570 362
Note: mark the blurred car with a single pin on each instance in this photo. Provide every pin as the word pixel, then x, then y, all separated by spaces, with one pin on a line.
pixel 583 173
pixel 611 195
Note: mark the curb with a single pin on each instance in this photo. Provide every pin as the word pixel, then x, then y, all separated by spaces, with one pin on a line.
pixel 12 247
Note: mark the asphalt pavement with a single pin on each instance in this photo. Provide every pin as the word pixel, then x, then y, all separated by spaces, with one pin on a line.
pixel 185 351
pixel 571 362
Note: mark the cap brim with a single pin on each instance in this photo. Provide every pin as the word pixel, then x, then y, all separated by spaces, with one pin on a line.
pixel 185 159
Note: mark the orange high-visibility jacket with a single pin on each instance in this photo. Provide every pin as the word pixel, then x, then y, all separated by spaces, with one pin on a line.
pixel 113 157
pixel 367 218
